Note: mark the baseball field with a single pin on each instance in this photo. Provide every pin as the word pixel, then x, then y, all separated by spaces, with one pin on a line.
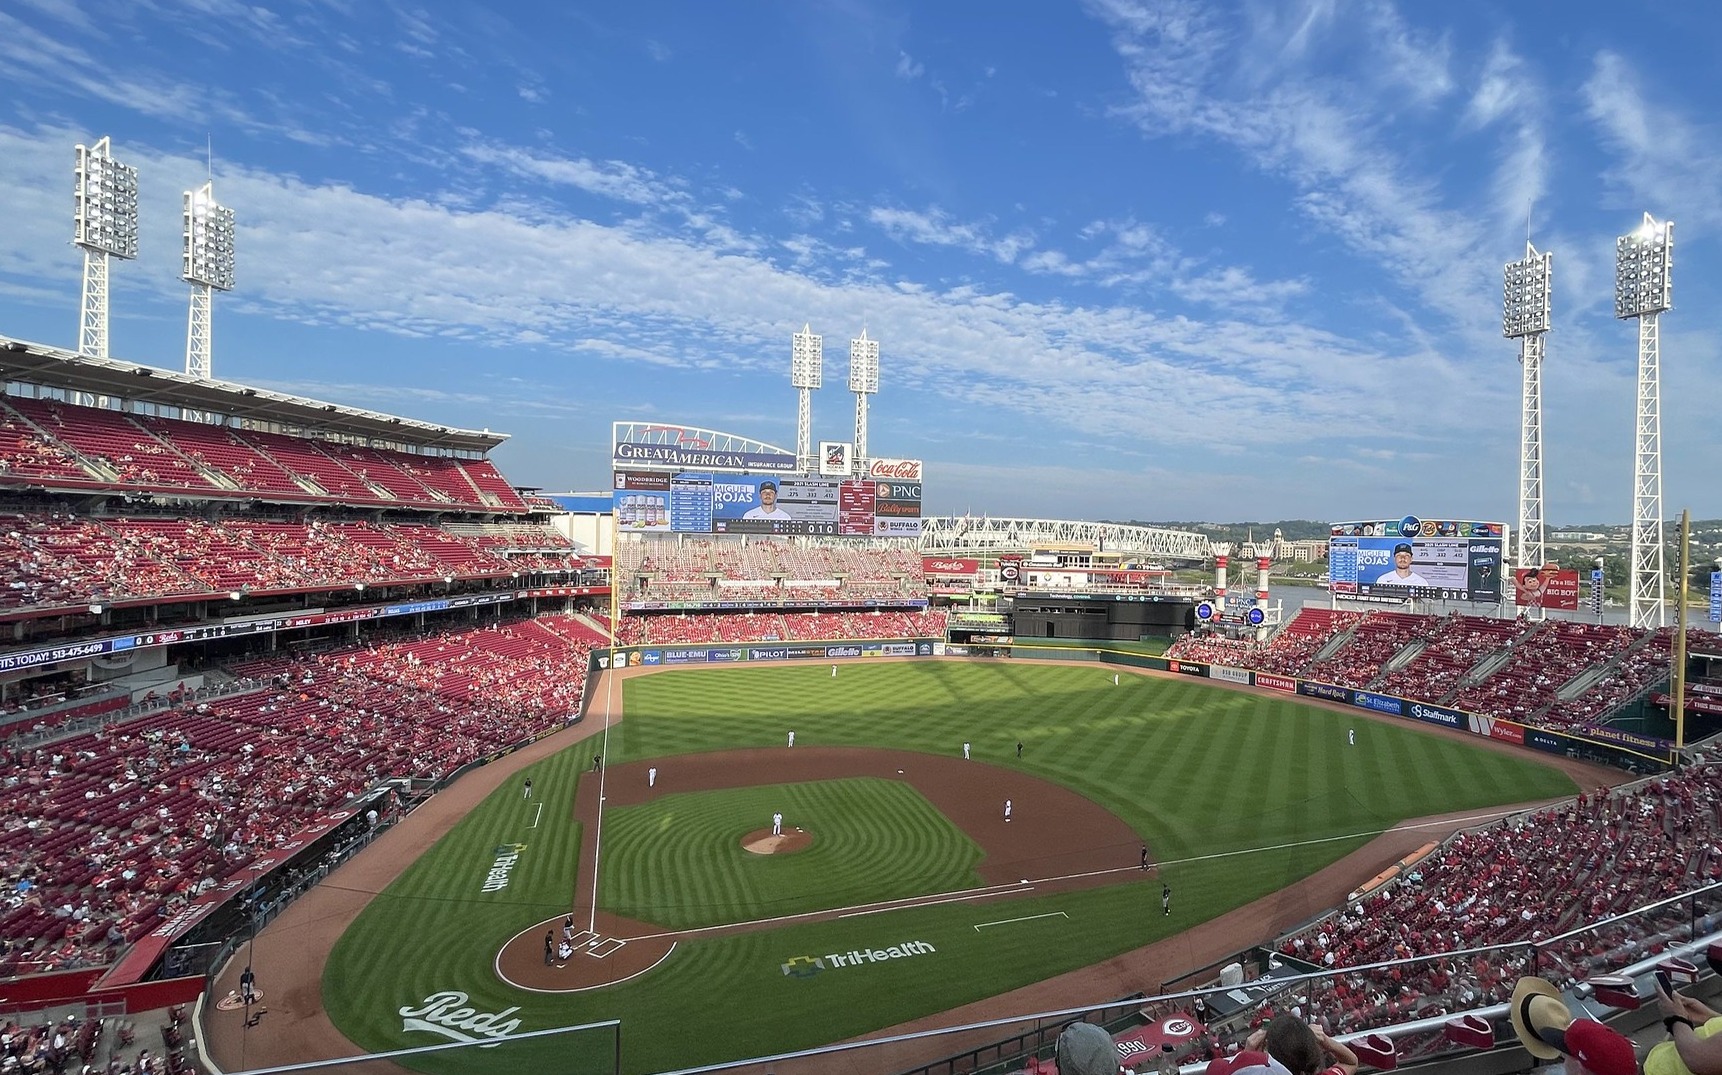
pixel 908 893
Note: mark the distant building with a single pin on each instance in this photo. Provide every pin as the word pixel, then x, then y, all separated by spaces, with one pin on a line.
pixel 1306 551
pixel 1577 536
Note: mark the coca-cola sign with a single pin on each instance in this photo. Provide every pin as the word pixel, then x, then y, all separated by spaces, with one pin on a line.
pixel 903 470
pixel 932 565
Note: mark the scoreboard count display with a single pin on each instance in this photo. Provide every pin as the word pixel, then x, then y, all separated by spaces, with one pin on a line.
pixel 1446 559
pixel 699 502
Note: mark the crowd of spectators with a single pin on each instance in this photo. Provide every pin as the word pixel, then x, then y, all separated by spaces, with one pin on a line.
pixel 106 832
pixel 98 446
pixel 791 571
pixel 1549 674
pixel 1528 879
pixel 61 559
pixel 648 628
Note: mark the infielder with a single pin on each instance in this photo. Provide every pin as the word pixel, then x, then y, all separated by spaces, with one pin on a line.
pixel 652 777
pixel 965 752
pixel 792 737
pixel 1007 809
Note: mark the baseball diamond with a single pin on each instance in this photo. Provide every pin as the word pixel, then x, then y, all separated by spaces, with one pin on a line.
pixel 1248 801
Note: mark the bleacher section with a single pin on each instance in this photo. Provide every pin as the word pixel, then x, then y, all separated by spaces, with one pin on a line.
pixel 660 629
pixel 765 572
pixel 57 560
pixel 113 830
pixel 65 445
pixel 1549 674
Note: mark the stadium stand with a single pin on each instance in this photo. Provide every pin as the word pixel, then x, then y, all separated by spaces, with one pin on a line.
pixel 1551 674
pixel 97 447
pixel 54 560
pixel 105 832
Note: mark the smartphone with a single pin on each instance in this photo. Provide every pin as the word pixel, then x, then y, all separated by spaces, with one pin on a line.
pixel 1665 980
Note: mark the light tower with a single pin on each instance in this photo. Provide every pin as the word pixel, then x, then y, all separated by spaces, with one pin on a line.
pixel 208 268
pixel 104 225
pixel 1525 317
pixel 1643 265
pixel 806 372
pixel 863 381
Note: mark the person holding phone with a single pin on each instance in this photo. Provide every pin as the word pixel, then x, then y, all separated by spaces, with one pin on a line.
pixel 1695 1034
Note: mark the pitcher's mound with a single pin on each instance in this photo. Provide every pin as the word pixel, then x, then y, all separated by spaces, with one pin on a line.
pixel 762 842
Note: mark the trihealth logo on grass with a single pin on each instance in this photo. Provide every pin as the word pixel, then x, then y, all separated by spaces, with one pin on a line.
pixel 506 856
pixel 446 1013
pixel 809 966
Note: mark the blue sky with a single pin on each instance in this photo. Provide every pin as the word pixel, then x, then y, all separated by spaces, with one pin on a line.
pixel 1124 260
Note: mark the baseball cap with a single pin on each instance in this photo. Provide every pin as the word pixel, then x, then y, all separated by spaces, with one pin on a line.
pixel 1248 1062
pixel 1403 546
pixel 1085 1049
pixel 768 485
pixel 1600 1049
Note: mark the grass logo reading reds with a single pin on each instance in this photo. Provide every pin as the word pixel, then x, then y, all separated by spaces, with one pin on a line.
pixel 809 966
pixel 446 1013
pixel 506 856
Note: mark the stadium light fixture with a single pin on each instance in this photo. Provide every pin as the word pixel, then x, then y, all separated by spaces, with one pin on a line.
pixel 1525 317
pixel 208 268
pixel 1643 265
pixel 104 225
pixel 863 381
pixel 806 372
pixel 1643 289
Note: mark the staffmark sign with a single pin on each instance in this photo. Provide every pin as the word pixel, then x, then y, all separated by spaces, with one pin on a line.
pixel 507 855
pixel 811 966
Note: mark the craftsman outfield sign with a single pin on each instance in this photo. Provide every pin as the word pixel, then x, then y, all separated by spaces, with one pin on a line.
pixel 811 966
pixel 448 1015
pixel 507 856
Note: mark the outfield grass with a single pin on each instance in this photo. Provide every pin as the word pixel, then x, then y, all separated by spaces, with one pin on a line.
pixel 1198 770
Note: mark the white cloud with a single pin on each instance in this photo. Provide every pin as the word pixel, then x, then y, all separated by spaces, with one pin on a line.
pixel 1662 157
pixel 907 68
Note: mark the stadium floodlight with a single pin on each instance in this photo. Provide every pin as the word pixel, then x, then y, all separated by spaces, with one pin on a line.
pixel 863 381
pixel 208 259
pixel 1643 289
pixel 1525 317
pixel 104 225
pixel 806 372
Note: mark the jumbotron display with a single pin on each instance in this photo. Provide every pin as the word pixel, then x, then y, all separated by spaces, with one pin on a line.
pixel 703 502
pixel 1445 559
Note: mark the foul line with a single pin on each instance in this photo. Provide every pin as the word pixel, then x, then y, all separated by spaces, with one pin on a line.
pixel 931 903
pixel 1030 918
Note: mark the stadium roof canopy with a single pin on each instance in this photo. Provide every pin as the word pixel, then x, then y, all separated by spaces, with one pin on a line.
pixel 56 368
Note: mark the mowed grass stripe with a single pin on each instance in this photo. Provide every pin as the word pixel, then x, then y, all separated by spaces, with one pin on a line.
pixel 678 861
pixel 1198 770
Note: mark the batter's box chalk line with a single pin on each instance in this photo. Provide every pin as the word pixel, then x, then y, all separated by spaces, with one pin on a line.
pixel 584 938
pixel 608 946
